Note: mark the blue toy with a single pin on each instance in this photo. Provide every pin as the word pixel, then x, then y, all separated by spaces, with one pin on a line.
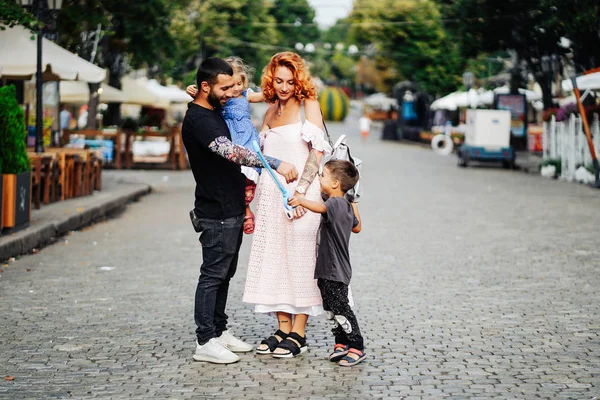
pixel 284 192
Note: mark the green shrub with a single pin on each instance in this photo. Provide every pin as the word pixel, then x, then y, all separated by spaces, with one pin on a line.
pixel 13 150
pixel 553 161
pixel 590 167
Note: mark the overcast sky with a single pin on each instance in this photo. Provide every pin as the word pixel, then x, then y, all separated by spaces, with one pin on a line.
pixel 329 11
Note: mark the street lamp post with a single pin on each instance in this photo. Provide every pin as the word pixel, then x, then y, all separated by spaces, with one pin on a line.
pixel 39 122
pixel 53 5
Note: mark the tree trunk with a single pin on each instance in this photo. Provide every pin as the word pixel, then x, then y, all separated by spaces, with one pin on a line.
pixel 115 74
pixel 515 79
pixel 114 59
pixel 93 105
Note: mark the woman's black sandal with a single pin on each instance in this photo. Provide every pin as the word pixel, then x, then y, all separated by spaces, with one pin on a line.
pixel 272 342
pixel 291 346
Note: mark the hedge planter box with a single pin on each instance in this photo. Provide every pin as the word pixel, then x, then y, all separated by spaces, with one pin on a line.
pixel 16 201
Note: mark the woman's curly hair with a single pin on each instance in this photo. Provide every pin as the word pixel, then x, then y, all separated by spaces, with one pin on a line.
pixel 304 88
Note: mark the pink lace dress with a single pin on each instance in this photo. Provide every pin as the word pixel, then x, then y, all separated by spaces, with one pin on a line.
pixel 283 254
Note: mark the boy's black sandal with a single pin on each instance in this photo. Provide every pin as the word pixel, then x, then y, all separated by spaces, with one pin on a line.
pixel 291 346
pixel 272 342
pixel 349 361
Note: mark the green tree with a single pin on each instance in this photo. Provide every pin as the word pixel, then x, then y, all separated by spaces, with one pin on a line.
pixel 139 30
pixel 12 14
pixel 221 28
pixel 333 64
pixel 532 29
pixel 337 33
pixel 118 35
pixel 295 22
pixel 580 20
pixel 411 35
pixel 343 66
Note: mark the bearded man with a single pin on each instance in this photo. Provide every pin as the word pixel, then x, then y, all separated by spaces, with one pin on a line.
pixel 219 207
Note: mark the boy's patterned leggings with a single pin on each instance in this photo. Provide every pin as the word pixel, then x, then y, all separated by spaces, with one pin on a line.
pixel 335 304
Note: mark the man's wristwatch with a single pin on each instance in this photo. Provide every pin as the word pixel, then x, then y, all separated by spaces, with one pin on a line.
pixel 301 189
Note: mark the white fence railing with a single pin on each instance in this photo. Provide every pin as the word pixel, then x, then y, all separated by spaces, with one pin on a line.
pixel 567 142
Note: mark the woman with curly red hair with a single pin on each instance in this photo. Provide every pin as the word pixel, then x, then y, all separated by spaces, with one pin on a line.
pixel 282 259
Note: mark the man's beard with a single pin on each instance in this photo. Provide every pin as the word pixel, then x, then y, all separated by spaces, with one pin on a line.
pixel 213 100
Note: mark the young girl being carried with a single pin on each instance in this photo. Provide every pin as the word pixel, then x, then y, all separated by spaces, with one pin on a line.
pixel 236 114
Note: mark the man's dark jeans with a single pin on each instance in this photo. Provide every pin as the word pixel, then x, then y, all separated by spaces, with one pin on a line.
pixel 221 241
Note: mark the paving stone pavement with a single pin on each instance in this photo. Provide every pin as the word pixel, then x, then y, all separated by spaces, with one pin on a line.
pixel 475 283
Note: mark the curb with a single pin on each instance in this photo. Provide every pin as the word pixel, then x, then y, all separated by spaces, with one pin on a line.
pixel 36 236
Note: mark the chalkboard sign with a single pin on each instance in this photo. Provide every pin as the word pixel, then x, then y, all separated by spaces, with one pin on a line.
pixel 23 199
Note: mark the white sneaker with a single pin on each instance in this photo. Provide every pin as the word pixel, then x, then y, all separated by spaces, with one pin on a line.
pixel 232 343
pixel 213 352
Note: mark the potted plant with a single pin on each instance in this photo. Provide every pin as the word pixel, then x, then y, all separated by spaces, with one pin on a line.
pixel 16 167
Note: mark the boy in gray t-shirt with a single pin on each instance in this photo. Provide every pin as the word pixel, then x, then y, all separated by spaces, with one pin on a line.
pixel 333 270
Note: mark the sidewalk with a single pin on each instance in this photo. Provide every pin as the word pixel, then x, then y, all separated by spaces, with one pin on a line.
pixel 56 219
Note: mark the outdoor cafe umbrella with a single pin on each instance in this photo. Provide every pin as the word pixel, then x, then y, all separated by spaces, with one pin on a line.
pixel 75 92
pixel 447 102
pixel 457 99
pixel 171 93
pixel 467 99
pixel 584 82
pixel 137 91
pixel 18 59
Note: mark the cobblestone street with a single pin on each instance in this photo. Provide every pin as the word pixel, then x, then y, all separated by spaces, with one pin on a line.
pixel 472 283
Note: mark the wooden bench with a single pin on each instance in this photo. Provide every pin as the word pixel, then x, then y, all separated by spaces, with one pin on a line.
pixel 80 171
pixel 42 173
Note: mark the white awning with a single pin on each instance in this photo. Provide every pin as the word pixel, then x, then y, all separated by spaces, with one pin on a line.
pixel 487 98
pixel 467 99
pixel 137 91
pixel 584 82
pixel 150 93
pixel 473 99
pixel 140 91
pixel 447 102
pixel 79 93
pixel 381 101
pixel 457 99
pixel 170 93
pixel 18 59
